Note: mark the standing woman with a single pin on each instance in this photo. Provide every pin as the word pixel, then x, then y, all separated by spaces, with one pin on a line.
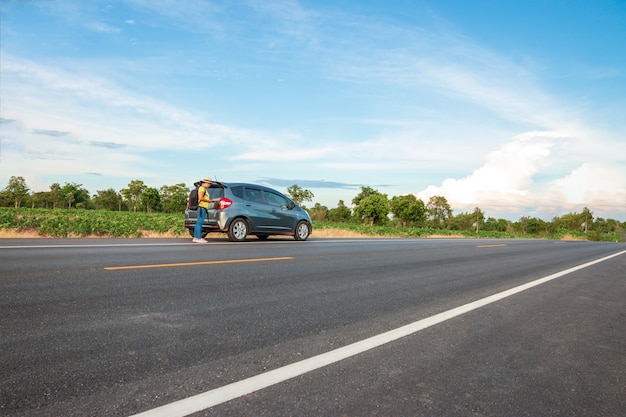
pixel 203 206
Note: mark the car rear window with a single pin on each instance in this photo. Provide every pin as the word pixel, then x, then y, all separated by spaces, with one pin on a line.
pixel 216 192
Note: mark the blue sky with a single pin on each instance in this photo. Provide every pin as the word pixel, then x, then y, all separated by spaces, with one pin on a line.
pixel 514 107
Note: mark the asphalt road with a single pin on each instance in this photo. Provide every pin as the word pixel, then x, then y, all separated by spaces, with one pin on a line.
pixel 115 327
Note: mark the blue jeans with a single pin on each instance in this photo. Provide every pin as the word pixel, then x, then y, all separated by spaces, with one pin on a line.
pixel 197 231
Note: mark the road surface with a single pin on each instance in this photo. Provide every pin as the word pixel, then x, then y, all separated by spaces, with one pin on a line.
pixel 326 327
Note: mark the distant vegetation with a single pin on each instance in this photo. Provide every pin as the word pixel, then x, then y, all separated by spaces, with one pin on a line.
pixel 138 210
pixel 95 223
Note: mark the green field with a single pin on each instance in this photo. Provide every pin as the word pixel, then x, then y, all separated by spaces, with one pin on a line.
pixel 84 223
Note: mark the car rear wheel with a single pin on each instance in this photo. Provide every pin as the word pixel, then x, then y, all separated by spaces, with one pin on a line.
pixel 303 230
pixel 238 230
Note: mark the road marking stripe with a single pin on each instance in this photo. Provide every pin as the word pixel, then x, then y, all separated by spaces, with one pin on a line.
pixel 229 261
pixel 238 389
pixel 492 246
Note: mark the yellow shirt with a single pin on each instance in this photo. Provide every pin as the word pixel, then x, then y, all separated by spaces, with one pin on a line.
pixel 203 192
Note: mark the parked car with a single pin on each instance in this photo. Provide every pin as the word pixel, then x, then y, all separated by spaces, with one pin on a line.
pixel 240 209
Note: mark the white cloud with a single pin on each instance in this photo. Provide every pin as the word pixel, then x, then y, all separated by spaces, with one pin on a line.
pixel 45 97
pixel 599 186
pixel 509 184
pixel 506 176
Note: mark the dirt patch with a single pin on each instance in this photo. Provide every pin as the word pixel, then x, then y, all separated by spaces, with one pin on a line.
pixel 156 235
pixel 330 233
pixel 570 237
pixel 445 237
pixel 14 234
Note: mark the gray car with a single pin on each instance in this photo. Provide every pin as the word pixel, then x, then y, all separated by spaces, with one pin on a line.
pixel 241 209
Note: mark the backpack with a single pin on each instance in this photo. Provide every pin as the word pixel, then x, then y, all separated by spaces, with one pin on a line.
pixel 193 199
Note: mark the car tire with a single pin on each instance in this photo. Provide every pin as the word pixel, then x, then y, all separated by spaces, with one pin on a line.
pixel 303 230
pixel 238 230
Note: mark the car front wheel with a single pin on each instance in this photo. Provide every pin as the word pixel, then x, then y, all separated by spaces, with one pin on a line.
pixel 238 230
pixel 303 230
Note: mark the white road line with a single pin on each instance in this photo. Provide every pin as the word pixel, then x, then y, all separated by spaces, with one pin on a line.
pixel 238 389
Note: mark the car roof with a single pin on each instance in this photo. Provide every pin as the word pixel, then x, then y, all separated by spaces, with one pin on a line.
pixel 245 184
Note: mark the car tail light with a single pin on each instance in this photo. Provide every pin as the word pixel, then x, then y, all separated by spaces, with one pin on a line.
pixel 224 203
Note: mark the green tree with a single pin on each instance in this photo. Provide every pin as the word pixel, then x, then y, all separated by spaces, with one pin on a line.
pixel 5 201
pixel 299 195
pixel 478 218
pixel 132 194
pixel 573 221
pixel 340 214
pixel 365 192
pixel 531 226
pixel 318 212
pixel 408 208
pixel 587 219
pixel 74 195
pixel 43 199
pixel 16 191
pixel 39 199
pixel 468 221
pixel 439 211
pixel 174 198
pixel 150 199
pixel 606 225
pixel 108 200
pixel 373 209
pixel 496 225
pixel 462 221
pixel 56 195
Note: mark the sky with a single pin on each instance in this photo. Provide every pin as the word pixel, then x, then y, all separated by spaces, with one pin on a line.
pixel 518 108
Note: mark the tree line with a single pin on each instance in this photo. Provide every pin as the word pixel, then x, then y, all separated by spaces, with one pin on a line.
pixel 137 196
pixel 369 207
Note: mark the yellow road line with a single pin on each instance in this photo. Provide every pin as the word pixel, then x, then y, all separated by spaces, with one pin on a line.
pixel 492 246
pixel 229 261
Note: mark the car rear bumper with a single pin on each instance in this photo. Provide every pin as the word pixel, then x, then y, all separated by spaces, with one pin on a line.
pixel 215 222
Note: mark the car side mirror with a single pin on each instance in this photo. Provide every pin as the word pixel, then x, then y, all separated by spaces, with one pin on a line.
pixel 291 205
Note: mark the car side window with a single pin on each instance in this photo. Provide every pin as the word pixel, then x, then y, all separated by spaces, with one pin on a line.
pixel 275 199
pixel 237 191
pixel 253 194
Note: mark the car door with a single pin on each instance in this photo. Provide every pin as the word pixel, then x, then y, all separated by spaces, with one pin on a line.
pixel 259 213
pixel 282 217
